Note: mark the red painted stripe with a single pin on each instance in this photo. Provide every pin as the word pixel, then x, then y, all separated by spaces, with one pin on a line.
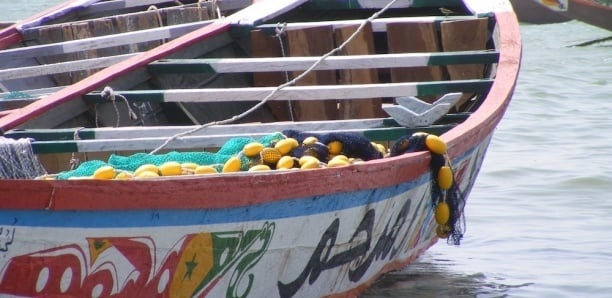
pixel 97 80
pixel 221 191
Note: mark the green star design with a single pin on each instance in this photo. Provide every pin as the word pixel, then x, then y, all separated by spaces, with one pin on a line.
pixel 190 267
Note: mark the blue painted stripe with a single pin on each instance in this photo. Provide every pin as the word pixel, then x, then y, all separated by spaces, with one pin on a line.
pixel 163 218
pixel 181 217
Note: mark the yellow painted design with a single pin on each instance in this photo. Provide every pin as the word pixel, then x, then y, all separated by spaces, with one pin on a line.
pixel 194 265
pixel 96 247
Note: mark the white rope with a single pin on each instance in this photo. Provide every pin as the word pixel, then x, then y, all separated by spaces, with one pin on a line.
pixel 280 31
pixel 109 94
pixel 280 87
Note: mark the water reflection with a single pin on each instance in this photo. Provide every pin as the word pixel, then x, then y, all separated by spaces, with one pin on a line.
pixel 431 276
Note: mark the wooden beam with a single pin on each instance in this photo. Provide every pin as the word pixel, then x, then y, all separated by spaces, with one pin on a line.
pixel 303 93
pixel 102 41
pixel 61 67
pixel 378 25
pixel 276 65
pixel 206 141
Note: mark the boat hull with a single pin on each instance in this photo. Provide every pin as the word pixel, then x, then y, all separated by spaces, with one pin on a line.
pixel 299 247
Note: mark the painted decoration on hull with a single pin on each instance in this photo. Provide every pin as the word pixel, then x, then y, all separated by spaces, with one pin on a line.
pixel 557 5
pixel 402 232
pixel 125 266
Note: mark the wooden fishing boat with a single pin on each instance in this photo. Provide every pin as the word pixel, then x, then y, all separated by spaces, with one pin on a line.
pixel 254 155
pixel 535 12
pixel 546 11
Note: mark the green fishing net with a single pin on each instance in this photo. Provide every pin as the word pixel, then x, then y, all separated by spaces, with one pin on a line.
pixel 130 163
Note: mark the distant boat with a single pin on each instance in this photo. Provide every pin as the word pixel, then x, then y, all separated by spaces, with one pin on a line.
pixel 554 11
pixel 535 12
pixel 276 148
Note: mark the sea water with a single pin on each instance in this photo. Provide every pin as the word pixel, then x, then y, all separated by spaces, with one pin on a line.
pixel 539 219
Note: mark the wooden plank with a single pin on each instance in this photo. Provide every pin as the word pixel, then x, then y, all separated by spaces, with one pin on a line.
pixel 378 25
pixel 81 30
pixel 126 38
pixel 137 22
pixel 61 67
pixel 168 131
pixel 303 93
pixel 315 41
pixel 187 15
pixel 464 36
pixel 102 27
pixel 67 134
pixel 274 66
pixel 362 44
pixel 266 46
pixel 414 37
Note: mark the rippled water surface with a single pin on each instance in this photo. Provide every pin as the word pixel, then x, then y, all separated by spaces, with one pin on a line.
pixel 539 220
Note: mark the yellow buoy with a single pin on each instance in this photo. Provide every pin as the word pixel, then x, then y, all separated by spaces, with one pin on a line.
pixel 232 165
pixel 189 166
pixel 146 167
pixel 286 145
pixel 342 157
pixel 445 177
pixel 334 147
pixel 285 162
pixel 147 174
pixel 170 168
pixel 310 164
pixel 435 144
pixel 307 158
pixel 443 231
pixel 337 162
pixel 310 140
pixel 204 169
pixel 294 142
pixel 123 175
pixel 442 213
pixel 257 168
pixel 252 149
pixel 104 172
pixel 380 148
pixel 270 155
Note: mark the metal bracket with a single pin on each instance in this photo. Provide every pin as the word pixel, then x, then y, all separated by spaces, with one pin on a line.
pixel 413 112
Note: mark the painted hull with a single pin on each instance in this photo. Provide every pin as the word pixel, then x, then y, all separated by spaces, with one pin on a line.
pixel 586 11
pixel 303 233
pixel 298 247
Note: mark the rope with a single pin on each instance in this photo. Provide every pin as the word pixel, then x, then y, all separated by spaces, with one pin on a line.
pixel 280 31
pixel 109 94
pixel 159 18
pixel 280 87
pixel 74 160
pixel 18 161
